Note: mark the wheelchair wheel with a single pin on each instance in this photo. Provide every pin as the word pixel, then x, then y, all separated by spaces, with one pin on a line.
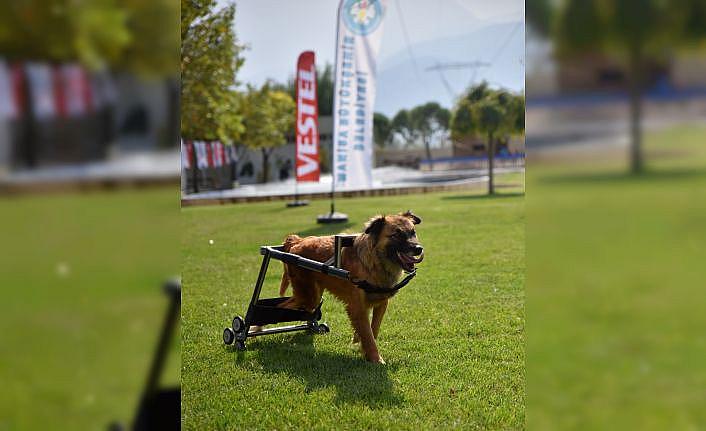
pixel 228 336
pixel 324 329
pixel 238 324
pixel 240 345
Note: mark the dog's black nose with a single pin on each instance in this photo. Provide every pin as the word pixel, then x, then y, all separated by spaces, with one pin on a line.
pixel 418 249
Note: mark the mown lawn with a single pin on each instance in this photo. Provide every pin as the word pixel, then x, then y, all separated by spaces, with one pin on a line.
pixel 453 339
pixel 81 305
pixel 615 289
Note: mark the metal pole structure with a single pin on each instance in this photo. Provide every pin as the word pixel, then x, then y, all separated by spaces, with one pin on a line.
pixel 296 202
pixel 333 216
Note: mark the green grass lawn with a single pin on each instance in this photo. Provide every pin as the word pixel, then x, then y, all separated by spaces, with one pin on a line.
pixel 453 339
pixel 615 298
pixel 81 305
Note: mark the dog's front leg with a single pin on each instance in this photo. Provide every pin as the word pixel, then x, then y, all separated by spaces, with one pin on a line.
pixel 378 314
pixel 361 325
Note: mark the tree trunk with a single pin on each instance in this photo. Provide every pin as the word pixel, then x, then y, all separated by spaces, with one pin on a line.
pixel 635 90
pixel 491 157
pixel 428 150
pixel 265 164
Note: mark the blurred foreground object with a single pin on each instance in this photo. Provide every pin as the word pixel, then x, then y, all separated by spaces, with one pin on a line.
pixel 88 99
pixel 614 274
pixel 627 45
pixel 160 409
pixel 86 82
pixel 80 313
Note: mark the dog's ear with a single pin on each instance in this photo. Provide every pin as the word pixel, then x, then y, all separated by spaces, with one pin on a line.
pixel 415 219
pixel 375 225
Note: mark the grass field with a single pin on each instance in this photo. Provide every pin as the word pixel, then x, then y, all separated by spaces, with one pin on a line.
pixel 615 299
pixel 453 339
pixel 81 305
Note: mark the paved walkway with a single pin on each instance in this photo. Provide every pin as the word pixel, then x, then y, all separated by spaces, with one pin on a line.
pixel 387 180
pixel 148 167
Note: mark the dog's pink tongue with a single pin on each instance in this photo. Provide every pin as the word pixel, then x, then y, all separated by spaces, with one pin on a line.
pixel 411 259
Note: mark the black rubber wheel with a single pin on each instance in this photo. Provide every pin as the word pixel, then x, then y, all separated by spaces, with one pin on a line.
pixel 324 329
pixel 228 336
pixel 317 315
pixel 240 345
pixel 238 324
pixel 313 326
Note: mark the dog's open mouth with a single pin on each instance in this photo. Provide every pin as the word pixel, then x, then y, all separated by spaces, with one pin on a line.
pixel 408 261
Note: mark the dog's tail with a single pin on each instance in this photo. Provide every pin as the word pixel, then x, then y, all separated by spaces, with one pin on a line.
pixel 289 242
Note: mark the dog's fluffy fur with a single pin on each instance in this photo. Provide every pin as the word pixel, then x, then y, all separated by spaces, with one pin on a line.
pixel 387 246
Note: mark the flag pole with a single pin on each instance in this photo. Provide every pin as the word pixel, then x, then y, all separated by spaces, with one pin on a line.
pixel 333 216
pixel 296 202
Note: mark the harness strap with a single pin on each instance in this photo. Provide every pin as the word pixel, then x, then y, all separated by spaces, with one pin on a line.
pixel 369 288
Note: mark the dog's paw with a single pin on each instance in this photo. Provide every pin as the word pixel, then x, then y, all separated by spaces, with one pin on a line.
pixel 355 339
pixel 376 360
pixel 379 361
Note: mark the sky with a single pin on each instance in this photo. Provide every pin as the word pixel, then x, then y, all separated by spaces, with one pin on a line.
pixel 276 31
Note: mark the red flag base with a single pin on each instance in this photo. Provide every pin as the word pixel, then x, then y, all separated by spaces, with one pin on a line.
pixel 334 217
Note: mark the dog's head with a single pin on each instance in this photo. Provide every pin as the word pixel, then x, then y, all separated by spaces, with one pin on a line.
pixel 396 239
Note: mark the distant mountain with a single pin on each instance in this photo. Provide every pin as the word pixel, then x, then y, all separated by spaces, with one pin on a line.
pixel 400 86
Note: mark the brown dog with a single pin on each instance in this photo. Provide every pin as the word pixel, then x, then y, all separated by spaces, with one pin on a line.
pixel 388 245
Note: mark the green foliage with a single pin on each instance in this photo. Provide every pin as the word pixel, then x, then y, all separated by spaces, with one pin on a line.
pixel 493 114
pixel 619 27
pixel 402 125
pixel 539 15
pixel 580 26
pixel 267 116
pixel 482 110
pixel 210 58
pixel 155 47
pixel 131 35
pixel 632 30
pixel 428 120
pixel 382 129
pixel 421 123
pixel 324 89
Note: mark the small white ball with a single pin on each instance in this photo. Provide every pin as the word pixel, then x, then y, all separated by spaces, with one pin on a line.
pixel 210 241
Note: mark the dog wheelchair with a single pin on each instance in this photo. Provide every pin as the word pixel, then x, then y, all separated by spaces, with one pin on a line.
pixel 266 311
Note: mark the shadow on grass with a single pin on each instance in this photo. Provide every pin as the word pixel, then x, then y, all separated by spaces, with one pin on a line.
pixel 649 175
pixel 355 380
pixel 325 229
pixel 495 196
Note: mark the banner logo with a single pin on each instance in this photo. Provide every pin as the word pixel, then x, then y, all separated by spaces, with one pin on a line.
pixel 362 17
pixel 307 150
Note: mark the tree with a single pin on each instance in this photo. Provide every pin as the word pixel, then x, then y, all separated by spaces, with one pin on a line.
pixel 267 116
pixel 130 35
pixel 490 121
pixel 402 125
pixel 324 89
pixel 633 30
pixel 428 120
pixel 493 114
pixel 382 129
pixel 210 58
